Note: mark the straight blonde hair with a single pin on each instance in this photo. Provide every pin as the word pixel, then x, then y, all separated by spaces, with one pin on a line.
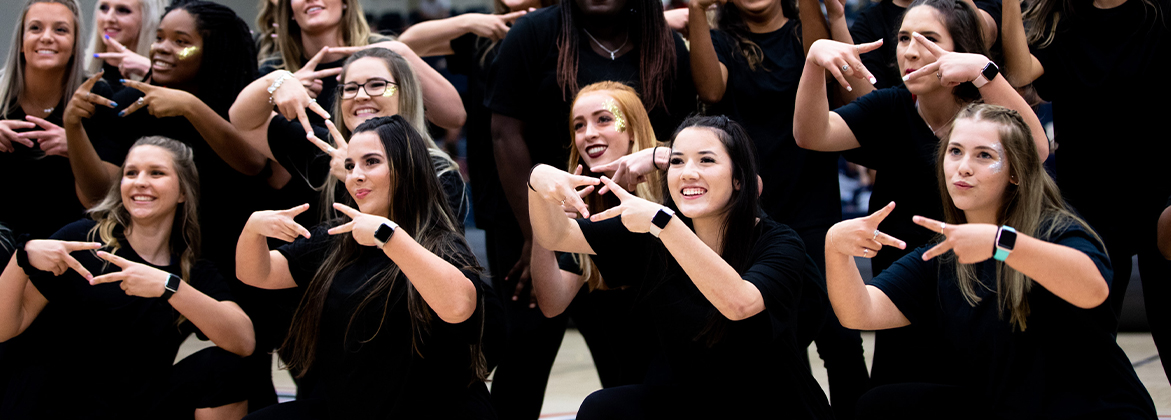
pixel 355 32
pixel 151 12
pixel 12 77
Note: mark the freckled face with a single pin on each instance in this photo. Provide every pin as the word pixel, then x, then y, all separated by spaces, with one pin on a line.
pixel 976 166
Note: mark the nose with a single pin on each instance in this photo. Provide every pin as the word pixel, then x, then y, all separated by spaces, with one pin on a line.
pixel 357 174
pixel 362 93
pixel 965 166
pixel 912 50
pixel 688 172
pixel 140 181
pixel 591 131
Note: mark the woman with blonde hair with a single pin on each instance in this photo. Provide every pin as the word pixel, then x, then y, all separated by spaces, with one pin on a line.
pixel 313 40
pixel 140 295
pixel 1014 279
pixel 607 122
pixel 42 70
pixel 120 41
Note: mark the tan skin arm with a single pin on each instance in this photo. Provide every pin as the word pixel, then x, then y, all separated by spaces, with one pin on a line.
pixel 1020 66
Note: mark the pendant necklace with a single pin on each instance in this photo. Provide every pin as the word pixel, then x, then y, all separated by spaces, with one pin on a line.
pixel 615 51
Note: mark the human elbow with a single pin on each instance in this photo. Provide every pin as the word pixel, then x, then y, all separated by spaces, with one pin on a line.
pixel 1096 295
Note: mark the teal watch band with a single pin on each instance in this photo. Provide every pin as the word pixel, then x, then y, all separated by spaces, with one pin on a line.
pixel 1005 242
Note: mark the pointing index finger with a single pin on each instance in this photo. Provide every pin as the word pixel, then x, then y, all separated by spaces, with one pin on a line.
pixel 89 83
pixel 619 192
pixel 935 50
pixel 928 69
pixel 349 211
pixel 116 260
pixel 140 86
pixel 311 65
pixel 931 224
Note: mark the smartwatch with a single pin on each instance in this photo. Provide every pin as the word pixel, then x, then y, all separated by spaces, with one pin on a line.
pixel 382 235
pixel 170 287
pixel 659 222
pixel 986 75
pixel 1005 242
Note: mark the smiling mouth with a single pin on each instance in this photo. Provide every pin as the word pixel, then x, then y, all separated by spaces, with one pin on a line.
pixel 362 112
pixel 313 10
pixel 693 192
pixel 595 151
pixel 142 198
pixel 46 52
pixel 161 65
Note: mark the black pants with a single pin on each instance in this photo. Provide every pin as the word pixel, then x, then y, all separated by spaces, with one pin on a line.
pixel 840 348
pixel 913 401
pixel 621 352
pixel 1154 272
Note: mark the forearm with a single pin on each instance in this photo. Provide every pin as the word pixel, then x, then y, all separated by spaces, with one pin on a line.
pixel 840 32
pixel 857 305
pixel 555 288
pixel 253 260
pixel 434 37
pixel 811 110
pixel 252 110
pixel 224 323
pixel 733 296
pixel 443 286
pixel 513 163
pixel 709 75
pixel 988 28
pixel 813 24
pixel 1020 66
pixel 92 175
pixel 1066 272
pixel 999 92
pixel 12 283
pixel 225 140
pixel 549 226
pixel 440 99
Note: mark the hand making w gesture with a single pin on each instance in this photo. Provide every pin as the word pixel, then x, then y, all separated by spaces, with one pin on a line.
pixel 137 279
pixel 84 102
pixel 860 237
pixel 128 62
pixel 951 68
pixel 972 242
pixel 53 256
pixel 636 212
pixel 842 59
pixel 362 227
pixel 560 187
pixel 278 224
pixel 162 102
pixel 337 154
pixel 310 77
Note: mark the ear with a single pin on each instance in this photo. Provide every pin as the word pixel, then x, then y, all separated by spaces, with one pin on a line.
pixel 1013 180
pixel 182 197
pixel 736 184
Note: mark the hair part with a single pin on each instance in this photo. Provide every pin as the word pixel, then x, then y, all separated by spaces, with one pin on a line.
pixel 419 206
pixel 1033 206
pixel 151 12
pixel 12 75
pixel 642 136
pixel 647 29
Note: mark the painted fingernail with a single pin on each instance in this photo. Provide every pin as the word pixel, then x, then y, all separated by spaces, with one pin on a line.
pixel 122 113
pixel 873 80
pixel 121 80
pixel 107 36
pixel 95 55
pixel 905 77
pixel 849 89
pixel 514 299
pixel 112 103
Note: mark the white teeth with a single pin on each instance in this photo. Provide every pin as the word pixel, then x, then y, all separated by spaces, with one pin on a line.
pixel 314 9
pixel 593 150
pixel 687 192
pixel 46 52
pixel 365 111
pixel 142 198
pixel 162 65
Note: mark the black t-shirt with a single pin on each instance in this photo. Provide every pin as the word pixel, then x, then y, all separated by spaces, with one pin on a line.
pixel 902 148
pixel 752 366
pixel 1066 364
pixel 226 197
pixel 383 377
pixel 39 193
pixel 800 186
pixel 524 84
pixel 129 342
pixel 472 56
pixel 881 21
pixel 1107 127
pixel 309 167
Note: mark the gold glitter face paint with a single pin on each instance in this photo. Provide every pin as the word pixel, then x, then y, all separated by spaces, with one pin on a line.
pixel 619 118
pixel 187 52
pixel 390 90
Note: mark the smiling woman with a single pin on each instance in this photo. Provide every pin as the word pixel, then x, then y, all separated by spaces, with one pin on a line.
pixel 121 38
pixel 39 73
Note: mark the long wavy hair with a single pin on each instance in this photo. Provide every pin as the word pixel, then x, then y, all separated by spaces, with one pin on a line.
pixel 642 136
pixel 730 21
pixel 266 23
pixel 418 205
pixel 111 215
pixel 1033 206
pixel 151 12
pixel 963 24
pixel 648 30
pixel 354 30
pixel 12 74
pixel 228 63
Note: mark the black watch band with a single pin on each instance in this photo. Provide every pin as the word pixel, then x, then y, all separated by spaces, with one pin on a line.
pixel 171 286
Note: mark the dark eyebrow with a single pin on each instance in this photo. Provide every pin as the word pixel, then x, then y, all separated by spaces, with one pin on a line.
pixel 702 152
pixel 375 154
pixel 986 148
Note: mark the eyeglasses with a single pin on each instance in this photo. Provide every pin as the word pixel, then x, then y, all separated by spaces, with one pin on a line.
pixel 373 87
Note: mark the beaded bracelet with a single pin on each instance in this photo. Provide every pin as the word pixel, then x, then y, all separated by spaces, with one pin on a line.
pixel 280 80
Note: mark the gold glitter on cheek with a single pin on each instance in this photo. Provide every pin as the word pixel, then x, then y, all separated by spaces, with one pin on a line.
pixel 188 52
pixel 390 91
pixel 619 118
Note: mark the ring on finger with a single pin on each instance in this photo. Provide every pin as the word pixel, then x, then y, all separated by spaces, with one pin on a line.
pixel 875 235
pixel 845 68
pixel 939 75
pixel 140 101
pixel 865 251
pixel 942 226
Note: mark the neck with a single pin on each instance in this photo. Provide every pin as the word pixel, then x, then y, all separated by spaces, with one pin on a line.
pixel 938 109
pixel 151 239
pixel 1108 4
pixel 610 29
pixel 767 22
pixel 982 216
pixel 42 89
pixel 313 43
pixel 710 230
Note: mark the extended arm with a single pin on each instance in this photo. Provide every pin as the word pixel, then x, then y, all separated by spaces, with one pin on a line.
pixel 999 92
pixel 813 24
pixel 1020 66
pixel 230 144
pixel 550 228
pixel 443 286
pixel 440 99
pixel 20 302
pixel 815 127
pixel 709 74
pixel 733 296
pixel 555 288
pixel 857 305
pixel 434 37
pixel 251 113
pixel 1066 272
pixel 223 322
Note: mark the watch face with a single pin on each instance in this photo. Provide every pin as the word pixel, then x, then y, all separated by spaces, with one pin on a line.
pixel 383 233
pixel 990 71
pixel 1007 239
